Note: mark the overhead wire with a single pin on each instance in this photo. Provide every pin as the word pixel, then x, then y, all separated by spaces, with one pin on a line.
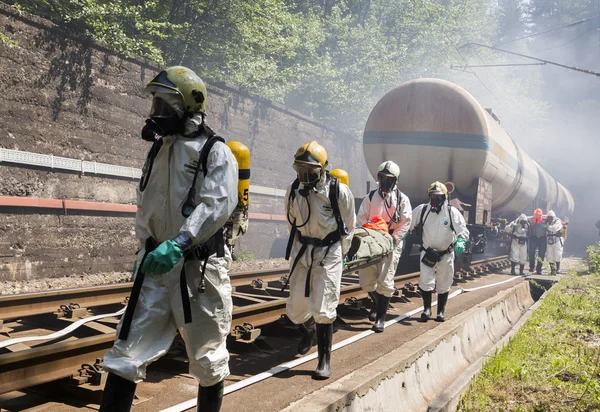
pixel 564 44
pixel 549 31
pixel 451 44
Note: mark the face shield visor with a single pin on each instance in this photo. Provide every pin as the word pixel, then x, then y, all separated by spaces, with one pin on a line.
pixel 386 183
pixel 165 116
pixel 308 174
pixel 161 109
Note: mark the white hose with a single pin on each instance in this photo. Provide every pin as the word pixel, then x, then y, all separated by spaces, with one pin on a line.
pixel 60 333
pixel 489 286
pixel 299 361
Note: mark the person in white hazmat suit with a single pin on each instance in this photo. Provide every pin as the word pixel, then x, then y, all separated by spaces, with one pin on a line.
pixel 554 250
pixel 187 192
pixel 394 208
pixel 518 230
pixel 445 235
pixel 320 212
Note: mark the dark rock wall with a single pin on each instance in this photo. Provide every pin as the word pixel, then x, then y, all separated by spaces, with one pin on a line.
pixel 68 97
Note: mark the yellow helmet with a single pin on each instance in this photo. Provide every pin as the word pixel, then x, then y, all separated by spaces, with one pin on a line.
pixel 183 82
pixel 437 188
pixel 311 153
pixel 310 162
pixel 341 175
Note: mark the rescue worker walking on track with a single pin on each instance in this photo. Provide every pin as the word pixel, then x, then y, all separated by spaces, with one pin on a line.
pixel 518 246
pixel 393 206
pixel 555 242
pixel 537 240
pixel 320 212
pixel 187 192
pixel 445 235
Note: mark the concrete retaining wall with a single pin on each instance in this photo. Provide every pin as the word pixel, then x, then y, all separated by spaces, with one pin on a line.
pixel 66 96
pixel 413 376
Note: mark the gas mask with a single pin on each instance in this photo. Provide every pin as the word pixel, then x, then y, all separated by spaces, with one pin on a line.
pixel 436 202
pixel 549 219
pixel 309 175
pixel 164 118
pixel 386 183
pixel 523 223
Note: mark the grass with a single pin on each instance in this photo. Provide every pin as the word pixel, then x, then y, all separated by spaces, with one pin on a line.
pixel 553 362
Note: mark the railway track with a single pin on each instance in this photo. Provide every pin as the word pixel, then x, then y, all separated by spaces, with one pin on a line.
pixel 257 295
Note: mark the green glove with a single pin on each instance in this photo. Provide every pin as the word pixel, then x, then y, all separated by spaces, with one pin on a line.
pixel 544 226
pixel 344 261
pixel 459 246
pixel 163 258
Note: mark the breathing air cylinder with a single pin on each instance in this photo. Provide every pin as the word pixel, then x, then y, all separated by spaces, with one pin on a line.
pixel 341 175
pixel 237 224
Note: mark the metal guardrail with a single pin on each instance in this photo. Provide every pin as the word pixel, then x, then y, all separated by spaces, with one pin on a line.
pixel 87 167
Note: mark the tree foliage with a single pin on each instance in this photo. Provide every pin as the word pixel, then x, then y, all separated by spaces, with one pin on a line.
pixel 329 59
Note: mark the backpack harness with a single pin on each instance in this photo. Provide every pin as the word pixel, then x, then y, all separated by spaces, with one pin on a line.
pixel 216 244
pixel 328 241
pixel 419 229
pixel 522 240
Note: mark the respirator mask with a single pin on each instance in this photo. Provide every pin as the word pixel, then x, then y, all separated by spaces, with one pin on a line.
pixel 386 183
pixel 436 202
pixel 308 175
pixel 165 117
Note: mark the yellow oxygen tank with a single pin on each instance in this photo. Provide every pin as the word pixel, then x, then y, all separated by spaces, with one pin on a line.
pixel 237 224
pixel 564 230
pixel 341 175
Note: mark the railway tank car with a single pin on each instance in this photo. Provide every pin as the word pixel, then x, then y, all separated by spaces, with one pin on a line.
pixel 435 130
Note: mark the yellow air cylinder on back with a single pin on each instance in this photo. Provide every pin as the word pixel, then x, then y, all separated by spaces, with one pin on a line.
pixel 341 175
pixel 242 155
pixel 237 224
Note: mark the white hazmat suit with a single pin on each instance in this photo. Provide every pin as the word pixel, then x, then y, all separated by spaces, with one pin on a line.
pixel 438 235
pixel 380 277
pixel 518 245
pixel 159 314
pixel 554 250
pixel 315 219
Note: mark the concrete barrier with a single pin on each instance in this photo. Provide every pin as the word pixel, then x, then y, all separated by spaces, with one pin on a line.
pixel 413 376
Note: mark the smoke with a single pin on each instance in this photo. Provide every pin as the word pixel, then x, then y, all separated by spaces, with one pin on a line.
pixel 566 141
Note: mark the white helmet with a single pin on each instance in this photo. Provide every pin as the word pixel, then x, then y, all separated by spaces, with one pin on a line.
pixel 387 177
pixel 389 168
pixel 551 213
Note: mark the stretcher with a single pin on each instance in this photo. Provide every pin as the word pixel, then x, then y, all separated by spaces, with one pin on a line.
pixel 368 245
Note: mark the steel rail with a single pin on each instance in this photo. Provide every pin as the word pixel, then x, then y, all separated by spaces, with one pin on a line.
pixel 38 303
pixel 34 366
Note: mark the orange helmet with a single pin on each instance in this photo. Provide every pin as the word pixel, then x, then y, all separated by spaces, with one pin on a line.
pixel 537 216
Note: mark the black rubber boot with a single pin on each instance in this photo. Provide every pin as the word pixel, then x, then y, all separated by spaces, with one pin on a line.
pixel 522 270
pixel 558 267
pixel 309 331
pixel 552 269
pixel 373 314
pixel 382 306
pixel 441 304
pixel 118 394
pixel 538 268
pixel 324 338
pixel 210 398
pixel 513 265
pixel 426 315
pixel 531 269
